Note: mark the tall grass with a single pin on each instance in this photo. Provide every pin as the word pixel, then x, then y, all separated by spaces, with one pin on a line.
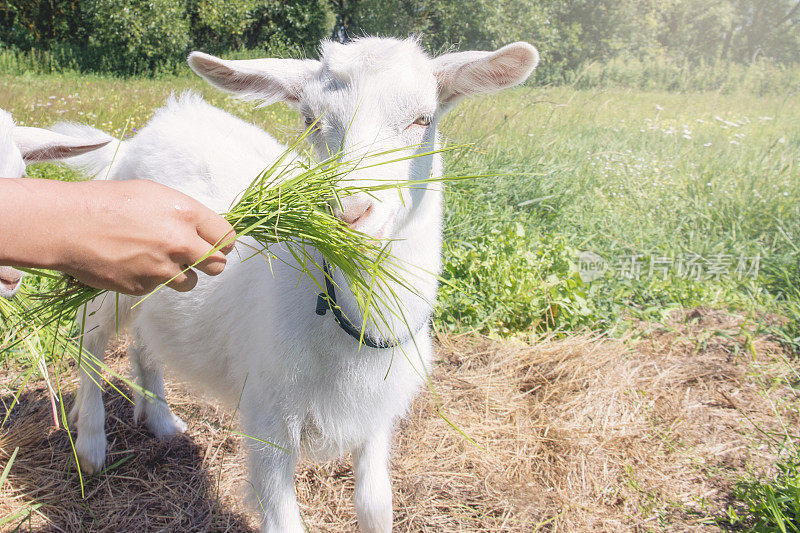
pixel 622 172
pixel 769 505
pixel 659 73
pixel 55 60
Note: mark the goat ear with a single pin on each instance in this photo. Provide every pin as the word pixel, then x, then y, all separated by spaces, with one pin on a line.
pixel 269 80
pixel 462 74
pixel 36 144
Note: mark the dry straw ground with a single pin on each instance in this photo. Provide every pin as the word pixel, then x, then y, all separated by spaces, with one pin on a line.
pixel 577 434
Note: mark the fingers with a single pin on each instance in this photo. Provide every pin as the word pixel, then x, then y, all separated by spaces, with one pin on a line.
pixel 185 281
pixel 194 255
pixel 217 231
pixel 212 231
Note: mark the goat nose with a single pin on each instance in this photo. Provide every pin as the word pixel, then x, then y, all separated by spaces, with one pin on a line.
pixel 355 213
pixel 9 277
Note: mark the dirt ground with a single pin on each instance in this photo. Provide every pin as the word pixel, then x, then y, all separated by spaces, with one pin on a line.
pixel 583 433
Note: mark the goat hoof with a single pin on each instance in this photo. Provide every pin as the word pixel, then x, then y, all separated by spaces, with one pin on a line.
pixel 166 426
pixel 139 414
pixel 91 452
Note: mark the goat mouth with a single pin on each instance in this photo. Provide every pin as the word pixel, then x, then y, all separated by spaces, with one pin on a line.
pixel 365 223
pixel 353 222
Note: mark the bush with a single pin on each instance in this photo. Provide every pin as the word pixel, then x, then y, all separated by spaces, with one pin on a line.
pixel 136 36
pixel 499 283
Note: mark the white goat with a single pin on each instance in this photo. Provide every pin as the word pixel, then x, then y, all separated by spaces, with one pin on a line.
pixel 20 145
pixel 250 336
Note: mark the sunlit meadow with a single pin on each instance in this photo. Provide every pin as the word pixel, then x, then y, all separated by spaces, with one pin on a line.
pixel 621 173
pixel 687 200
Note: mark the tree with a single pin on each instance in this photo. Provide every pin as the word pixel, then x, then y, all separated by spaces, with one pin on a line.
pixel 767 28
pixel 38 23
pixel 219 25
pixel 298 25
pixel 136 36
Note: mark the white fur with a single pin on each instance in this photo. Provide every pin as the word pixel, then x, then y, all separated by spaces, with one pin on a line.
pixel 11 166
pixel 11 163
pixel 18 145
pixel 250 335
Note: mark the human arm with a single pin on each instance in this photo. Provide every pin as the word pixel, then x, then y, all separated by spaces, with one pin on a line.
pixel 126 236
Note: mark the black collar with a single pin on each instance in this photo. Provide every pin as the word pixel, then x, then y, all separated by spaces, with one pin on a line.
pixel 328 301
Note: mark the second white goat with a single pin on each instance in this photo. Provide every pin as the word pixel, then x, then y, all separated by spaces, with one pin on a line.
pixel 20 145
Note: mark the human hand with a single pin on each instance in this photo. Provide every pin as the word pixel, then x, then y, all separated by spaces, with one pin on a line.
pixel 125 236
pixel 131 236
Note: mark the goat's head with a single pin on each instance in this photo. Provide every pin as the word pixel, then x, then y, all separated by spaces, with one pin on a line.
pixel 373 95
pixel 20 145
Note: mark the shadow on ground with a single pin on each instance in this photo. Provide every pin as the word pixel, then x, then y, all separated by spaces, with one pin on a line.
pixel 147 485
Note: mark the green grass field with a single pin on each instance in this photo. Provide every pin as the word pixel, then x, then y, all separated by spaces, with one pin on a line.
pixel 689 199
pixel 703 183
pixel 622 173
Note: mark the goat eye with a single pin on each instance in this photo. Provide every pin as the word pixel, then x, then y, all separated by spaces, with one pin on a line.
pixel 309 121
pixel 424 120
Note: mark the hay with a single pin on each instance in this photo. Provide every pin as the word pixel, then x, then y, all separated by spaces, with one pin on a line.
pixel 576 434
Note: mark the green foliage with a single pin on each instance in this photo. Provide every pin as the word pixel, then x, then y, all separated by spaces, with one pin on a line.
pixel 571 34
pixel 769 506
pixel 678 35
pixel 136 36
pixel 39 23
pixel 219 25
pixel 478 24
pixel 152 36
pixel 295 26
pixel 694 30
pixel 505 282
